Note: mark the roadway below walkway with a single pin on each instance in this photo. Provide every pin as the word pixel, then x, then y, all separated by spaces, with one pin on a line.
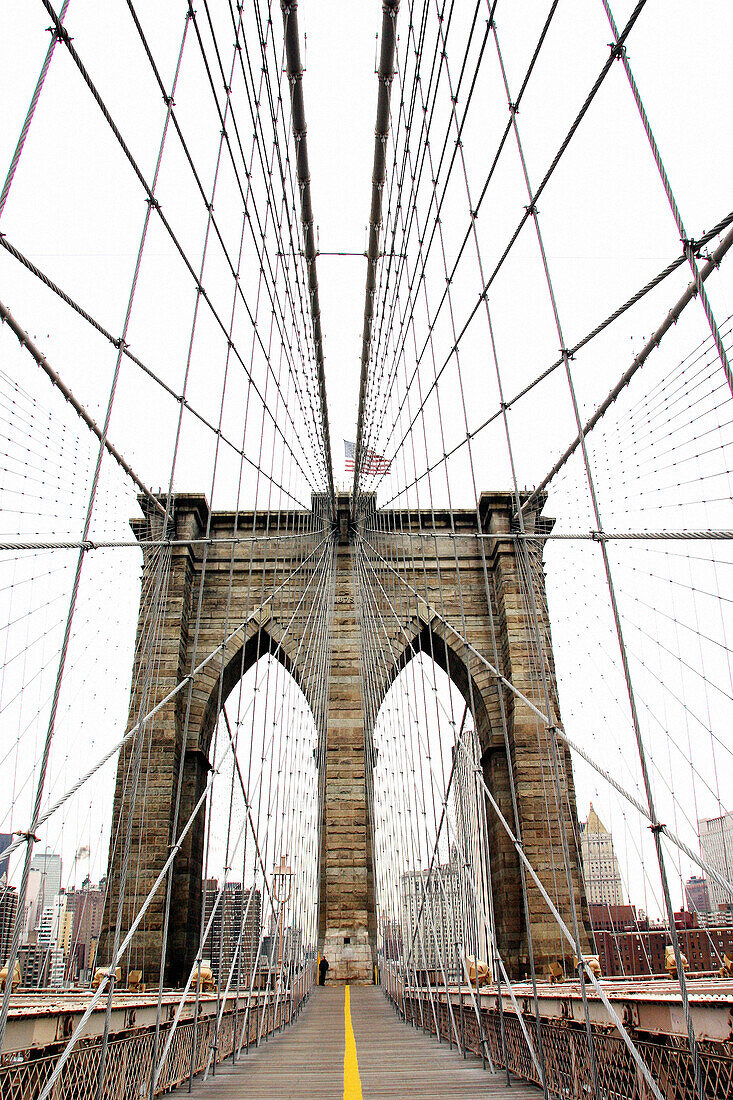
pixel 327 1056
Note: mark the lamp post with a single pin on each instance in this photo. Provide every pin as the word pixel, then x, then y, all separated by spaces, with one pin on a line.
pixel 282 885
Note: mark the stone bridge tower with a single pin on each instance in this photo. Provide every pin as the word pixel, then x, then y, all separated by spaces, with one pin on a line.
pixel 456 578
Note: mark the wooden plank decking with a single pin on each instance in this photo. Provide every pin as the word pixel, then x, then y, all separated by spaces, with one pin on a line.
pixel 395 1060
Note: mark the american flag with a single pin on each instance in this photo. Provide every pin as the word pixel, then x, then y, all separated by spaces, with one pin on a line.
pixel 372 463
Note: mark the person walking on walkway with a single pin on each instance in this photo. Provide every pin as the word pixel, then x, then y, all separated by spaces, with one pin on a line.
pixel 322 971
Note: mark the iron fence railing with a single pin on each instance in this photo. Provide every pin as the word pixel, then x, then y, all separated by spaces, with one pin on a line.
pixel 196 1045
pixel 565 1051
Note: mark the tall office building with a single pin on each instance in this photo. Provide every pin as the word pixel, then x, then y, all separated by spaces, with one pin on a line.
pixel 50 933
pixel 6 839
pixel 234 910
pixel 84 908
pixel 716 848
pixel 603 883
pixel 469 847
pixel 431 920
pixel 8 911
pixel 46 885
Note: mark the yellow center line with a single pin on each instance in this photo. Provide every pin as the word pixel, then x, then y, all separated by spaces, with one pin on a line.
pixel 352 1082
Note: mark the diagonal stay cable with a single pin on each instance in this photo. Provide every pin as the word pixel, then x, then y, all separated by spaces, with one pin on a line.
pixel 118 343
pixel 155 205
pixel 43 363
pixel 653 342
pixel 615 52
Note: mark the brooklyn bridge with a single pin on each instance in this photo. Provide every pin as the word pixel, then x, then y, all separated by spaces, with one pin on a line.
pixel 365 718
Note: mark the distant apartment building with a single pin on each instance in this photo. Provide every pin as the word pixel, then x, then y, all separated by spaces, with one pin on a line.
pixel 8 912
pixel 614 918
pixel 716 848
pixel 431 921
pixel 236 916
pixel 39 964
pixel 603 883
pixel 697 895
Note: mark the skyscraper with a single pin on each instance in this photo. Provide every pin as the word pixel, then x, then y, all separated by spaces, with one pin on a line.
pixel 48 867
pixel 603 883
pixel 234 910
pixel 431 920
pixel 8 910
pixel 85 908
pixel 469 848
pixel 6 839
pixel 716 848
pixel 50 932
pixel 697 895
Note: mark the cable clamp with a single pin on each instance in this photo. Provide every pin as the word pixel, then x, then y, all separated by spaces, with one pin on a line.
pixel 60 33
pixel 27 836
pixel 169 100
pixel 618 49
pixel 598 536
pixel 89 545
pixel 657 827
pixel 153 202
pixel 513 109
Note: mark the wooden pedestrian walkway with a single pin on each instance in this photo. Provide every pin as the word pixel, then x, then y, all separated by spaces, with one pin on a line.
pixel 394 1060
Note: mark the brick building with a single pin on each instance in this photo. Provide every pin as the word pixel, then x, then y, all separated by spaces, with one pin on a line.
pixel 629 953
